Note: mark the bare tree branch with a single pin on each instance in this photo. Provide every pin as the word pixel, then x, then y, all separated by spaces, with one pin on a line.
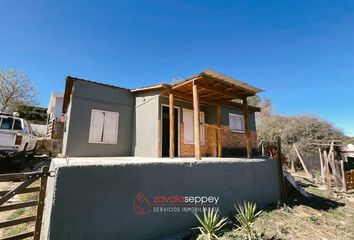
pixel 15 89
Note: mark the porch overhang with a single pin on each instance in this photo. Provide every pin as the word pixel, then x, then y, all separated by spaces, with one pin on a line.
pixel 213 89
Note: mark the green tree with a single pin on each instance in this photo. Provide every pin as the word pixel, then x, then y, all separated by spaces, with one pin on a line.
pixel 33 114
pixel 297 129
pixel 300 129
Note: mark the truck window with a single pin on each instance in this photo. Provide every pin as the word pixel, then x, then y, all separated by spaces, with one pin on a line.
pixel 17 125
pixel 6 123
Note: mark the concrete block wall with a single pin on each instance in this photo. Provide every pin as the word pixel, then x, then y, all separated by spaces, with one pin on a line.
pixel 87 201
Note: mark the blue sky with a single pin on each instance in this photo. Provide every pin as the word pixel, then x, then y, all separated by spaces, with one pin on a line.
pixel 300 52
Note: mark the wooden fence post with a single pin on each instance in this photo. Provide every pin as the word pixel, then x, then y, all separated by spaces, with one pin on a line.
pixel 40 207
pixel 322 168
pixel 329 187
pixel 281 173
pixel 344 180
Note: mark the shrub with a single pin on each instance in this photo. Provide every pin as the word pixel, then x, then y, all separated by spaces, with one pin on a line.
pixel 246 216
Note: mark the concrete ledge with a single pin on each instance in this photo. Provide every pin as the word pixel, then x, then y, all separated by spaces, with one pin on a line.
pixel 96 198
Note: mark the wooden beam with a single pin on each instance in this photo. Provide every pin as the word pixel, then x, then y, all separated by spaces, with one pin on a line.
pixel 20 236
pixel 221 91
pixel 302 162
pixel 190 81
pixel 247 129
pixel 17 221
pixel 196 123
pixel 230 85
pixel 172 127
pixel 218 113
pixel 189 98
pixel 18 205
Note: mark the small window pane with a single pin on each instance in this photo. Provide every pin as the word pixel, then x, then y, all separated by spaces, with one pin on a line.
pixel 236 123
pixel 6 123
pixel 17 125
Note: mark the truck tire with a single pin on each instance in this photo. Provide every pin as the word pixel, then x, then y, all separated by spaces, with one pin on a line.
pixel 23 159
pixel 30 155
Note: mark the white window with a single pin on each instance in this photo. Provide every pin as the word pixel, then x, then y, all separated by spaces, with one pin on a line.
pixel 188 121
pixel 104 127
pixel 236 123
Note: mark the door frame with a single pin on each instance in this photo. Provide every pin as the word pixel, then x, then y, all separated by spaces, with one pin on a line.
pixel 179 128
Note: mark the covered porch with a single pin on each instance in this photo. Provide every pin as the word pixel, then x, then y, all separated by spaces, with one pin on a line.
pixel 209 88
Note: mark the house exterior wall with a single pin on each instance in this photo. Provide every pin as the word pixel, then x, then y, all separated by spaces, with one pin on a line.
pixel 66 130
pixel 87 96
pixel 233 144
pixel 140 128
pixel 145 130
pixel 58 107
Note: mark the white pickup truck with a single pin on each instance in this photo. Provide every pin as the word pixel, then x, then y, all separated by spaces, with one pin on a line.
pixel 17 140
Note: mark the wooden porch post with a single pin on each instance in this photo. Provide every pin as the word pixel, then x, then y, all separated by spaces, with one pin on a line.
pixel 219 130
pixel 172 126
pixel 196 122
pixel 247 129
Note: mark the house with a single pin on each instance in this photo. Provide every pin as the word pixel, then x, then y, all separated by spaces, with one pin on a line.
pixel 55 120
pixel 210 117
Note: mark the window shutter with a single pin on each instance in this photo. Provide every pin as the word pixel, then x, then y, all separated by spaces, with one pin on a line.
pixel 188 126
pixel 188 121
pixel 96 126
pixel 111 127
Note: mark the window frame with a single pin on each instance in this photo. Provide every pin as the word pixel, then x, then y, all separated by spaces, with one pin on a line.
pixel 91 141
pixel 243 123
pixel 7 118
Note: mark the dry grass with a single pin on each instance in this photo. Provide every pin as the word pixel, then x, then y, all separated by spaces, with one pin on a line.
pixel 316 218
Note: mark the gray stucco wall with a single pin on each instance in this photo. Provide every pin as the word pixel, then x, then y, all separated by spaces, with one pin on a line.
pixel 88 96
pixel 181 105
pixel 96 202
pixel 66 128
pixel 145 132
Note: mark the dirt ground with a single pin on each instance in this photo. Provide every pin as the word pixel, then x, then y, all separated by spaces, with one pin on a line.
pixel 317 217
